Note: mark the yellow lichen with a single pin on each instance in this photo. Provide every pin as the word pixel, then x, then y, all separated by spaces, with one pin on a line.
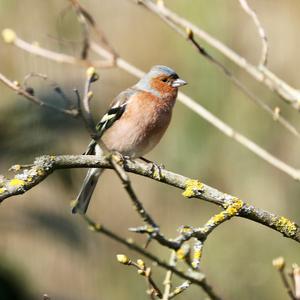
pixel 197 254
pixel 2 190
pixel 234 207
pixel 285 226
pixel 191 187
pixel 185 229
pixel 150 229
pixel 181 253
pixel 16 182
pixel 218 217
pixel 8 35
pixel 40 172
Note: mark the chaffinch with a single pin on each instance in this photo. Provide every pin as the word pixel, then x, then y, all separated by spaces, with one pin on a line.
pixel 134 123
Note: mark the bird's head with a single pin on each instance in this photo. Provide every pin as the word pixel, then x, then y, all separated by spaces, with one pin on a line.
pixel 161 80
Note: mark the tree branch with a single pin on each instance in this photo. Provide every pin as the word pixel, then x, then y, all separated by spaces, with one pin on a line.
pixel 262 34
pixel 261 74
pixel 98 228
pixel 43 166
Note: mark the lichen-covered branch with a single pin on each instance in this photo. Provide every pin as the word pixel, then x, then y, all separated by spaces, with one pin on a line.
pixel 202 282
pixel 28 177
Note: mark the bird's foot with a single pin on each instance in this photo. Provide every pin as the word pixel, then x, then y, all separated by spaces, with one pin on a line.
pixel 156 169
pixel 120 159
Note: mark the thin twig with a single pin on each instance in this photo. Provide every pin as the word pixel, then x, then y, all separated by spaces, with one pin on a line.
pixel 279 264
pixel 56 56
pixel 262 33
pixel 296 275
pixel 15 86
pixel 144 271
pixel 85 32
pixel 101 229
pixel 85 112
pixel 261 74
pixel 56 88
pixel 179 289
pixel 168 277
pixel 287 285
pixel 153 228
pixel 88 19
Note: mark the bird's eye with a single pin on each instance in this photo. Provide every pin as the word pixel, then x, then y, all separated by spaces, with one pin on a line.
pixel 164 80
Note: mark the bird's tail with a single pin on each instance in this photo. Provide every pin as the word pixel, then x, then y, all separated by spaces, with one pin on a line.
pixel 82 201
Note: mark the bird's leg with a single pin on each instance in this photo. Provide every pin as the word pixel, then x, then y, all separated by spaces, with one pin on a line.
pixel 120 159
pixel 155 168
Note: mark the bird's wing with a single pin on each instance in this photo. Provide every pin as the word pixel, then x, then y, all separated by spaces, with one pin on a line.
pixel 115 111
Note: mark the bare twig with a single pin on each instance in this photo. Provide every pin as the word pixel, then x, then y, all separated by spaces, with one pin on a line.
pixel 87 19
pixel 296 275
pixel 131 245
pixel 85 112
pixel 85 32
pixel 15 86
pixel 279 264
pixel 168 277
pixel 261 74
pixel 276 116
pixel 180 289
pixel 143 270
pixel 43 166
pixel 51 55
pixel 263 36
pixel 56 88
pixel 152 228
pixel 188 33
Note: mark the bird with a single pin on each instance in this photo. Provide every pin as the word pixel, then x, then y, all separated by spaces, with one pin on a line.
pixel 134 123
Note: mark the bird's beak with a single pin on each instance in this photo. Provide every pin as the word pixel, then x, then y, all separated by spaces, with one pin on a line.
pixel 178 82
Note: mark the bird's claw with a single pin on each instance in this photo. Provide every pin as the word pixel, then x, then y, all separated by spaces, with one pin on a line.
pixel 156 170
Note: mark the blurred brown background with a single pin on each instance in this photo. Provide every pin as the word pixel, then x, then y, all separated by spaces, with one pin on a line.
pixel 45 249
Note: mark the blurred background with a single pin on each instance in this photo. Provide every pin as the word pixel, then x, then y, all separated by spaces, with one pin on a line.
pixel 46 249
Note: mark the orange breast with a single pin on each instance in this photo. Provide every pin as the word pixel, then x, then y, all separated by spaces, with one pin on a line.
pixel 142 125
